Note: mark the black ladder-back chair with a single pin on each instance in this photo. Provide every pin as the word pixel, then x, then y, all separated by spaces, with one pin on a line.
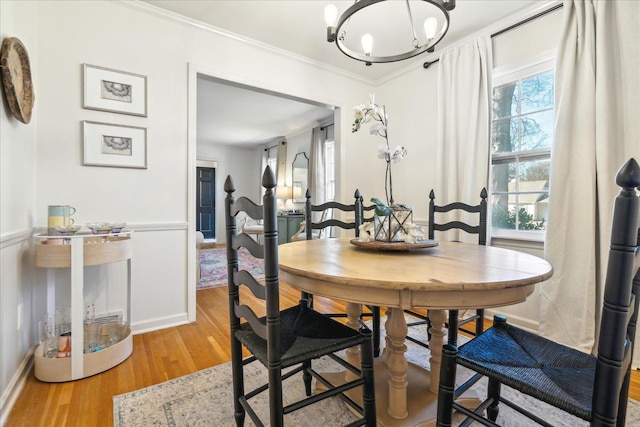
pixel 592 388
pixel 290 338
pixel 375 310
pixel 481 230
pixel 328 221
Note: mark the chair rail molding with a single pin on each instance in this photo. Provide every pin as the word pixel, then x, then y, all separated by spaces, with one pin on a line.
pixel 16 237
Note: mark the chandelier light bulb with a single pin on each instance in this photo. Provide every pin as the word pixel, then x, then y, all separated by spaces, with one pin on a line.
pixel 331 15
pixel 367 44
pixel 430 27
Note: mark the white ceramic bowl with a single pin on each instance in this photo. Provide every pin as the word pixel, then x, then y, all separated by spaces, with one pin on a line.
pixel 117 227
pixel 68 230
pixel 100 227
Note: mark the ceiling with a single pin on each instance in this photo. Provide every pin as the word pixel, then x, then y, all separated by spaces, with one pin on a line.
pixel 240 116
pixel 298 27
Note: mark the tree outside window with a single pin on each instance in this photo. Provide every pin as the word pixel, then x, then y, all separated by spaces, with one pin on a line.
pixel 522 135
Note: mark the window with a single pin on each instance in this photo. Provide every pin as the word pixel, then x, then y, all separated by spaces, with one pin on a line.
pixel 329 170
pixel 522 135
pixel 272 158
pixel 329 180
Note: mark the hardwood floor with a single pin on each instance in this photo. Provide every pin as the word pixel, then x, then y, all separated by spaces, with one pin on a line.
pixel 157 356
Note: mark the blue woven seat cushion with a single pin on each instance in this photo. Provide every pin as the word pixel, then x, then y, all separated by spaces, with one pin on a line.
pixel 305 334
pixel 534 365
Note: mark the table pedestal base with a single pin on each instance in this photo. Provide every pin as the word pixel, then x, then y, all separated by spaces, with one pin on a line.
pixel 422 404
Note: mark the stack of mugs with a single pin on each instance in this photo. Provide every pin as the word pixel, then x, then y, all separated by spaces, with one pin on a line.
pixel 59 221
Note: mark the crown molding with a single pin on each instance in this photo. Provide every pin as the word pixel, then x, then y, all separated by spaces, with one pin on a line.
pixel 154 10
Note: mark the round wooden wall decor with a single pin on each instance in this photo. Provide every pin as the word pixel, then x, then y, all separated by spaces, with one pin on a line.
pixel 16 78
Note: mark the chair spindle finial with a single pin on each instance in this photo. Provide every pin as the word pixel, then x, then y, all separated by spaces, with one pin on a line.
pixel 229 187
pixel 628 176
pixel 268 179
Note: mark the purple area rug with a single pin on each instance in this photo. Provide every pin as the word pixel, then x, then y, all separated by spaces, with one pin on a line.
pixel 213 266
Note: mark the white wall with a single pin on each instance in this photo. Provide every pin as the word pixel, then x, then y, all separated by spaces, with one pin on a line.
pixel 410 101
pixel 18 163
pixel 155 198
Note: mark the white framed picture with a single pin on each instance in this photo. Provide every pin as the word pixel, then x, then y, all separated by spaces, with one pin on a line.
pixel 114 91
pixel 114 145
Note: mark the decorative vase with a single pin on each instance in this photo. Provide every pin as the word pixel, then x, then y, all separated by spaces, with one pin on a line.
pixel 393 227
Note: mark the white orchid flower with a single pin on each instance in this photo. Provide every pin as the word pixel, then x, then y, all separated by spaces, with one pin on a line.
pixel 383 152
pixel 379 129
pixel 363 114
pixel 397 154
pixel 359 112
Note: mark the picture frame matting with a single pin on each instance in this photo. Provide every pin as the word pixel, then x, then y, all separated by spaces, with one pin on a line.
pixel 114 91
pixel 113 145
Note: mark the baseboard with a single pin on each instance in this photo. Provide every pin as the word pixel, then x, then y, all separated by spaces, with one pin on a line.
pixel 513 319
pixel 15 386
pixel 159 323
pixel 211 245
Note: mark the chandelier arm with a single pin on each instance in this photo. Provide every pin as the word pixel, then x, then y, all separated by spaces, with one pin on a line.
pixel 415 41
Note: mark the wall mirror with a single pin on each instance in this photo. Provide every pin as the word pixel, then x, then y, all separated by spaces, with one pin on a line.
pixel 300 176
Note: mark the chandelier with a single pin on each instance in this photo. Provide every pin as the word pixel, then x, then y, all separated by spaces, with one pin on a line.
pixel 381 26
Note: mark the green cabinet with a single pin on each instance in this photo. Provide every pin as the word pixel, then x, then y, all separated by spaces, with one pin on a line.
pixel 287 226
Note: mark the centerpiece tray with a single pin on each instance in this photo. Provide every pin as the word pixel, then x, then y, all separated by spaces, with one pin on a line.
pixel 394 246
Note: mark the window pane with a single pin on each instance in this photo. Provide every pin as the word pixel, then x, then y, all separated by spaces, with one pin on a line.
pixel 504 177
pixel 520 187
pixel 505 135
pixel 533 209
pixel 531 216
pixel 537 130
pixel 537 93
pixel 505 100
pixel 502 211
pixel 534 175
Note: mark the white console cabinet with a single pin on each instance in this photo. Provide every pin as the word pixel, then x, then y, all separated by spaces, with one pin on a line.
pixel 75 253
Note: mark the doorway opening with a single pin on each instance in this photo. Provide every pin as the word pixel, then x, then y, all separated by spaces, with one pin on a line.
pixel 222 120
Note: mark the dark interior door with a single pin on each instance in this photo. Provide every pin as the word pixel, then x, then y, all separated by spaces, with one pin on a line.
pixel 206 202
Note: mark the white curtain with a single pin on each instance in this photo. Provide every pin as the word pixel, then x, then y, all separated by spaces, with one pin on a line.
pixel 463 127
pixel 588 149
pixel 317 166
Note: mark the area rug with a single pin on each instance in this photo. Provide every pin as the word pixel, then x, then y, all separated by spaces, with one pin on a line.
pixel 213 266
pixel 205 398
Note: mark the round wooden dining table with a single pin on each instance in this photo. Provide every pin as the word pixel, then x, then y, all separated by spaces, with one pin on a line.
pixel 450 275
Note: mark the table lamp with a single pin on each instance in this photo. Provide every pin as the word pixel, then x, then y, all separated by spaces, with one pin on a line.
pixel 284 193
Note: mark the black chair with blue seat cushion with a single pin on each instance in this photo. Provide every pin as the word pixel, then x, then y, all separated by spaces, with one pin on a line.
pixel 593 388
pixel 287 339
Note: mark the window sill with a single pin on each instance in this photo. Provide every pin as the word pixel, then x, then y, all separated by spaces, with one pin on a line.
pixel 529 236
pixel 520 241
